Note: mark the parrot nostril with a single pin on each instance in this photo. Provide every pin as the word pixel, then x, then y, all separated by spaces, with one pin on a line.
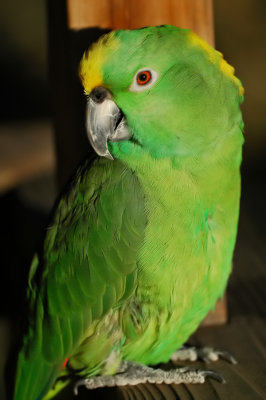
pixel 99 94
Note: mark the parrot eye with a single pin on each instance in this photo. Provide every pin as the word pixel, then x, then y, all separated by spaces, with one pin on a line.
pixel 143 79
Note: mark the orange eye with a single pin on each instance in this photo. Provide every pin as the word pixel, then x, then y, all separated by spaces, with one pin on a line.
pixel 143 77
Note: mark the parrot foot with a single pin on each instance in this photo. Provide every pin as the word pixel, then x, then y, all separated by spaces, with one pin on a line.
pixel 206 354
pixel 133 374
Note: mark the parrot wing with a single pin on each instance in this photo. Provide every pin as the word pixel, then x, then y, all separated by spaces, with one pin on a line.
pixel 88 264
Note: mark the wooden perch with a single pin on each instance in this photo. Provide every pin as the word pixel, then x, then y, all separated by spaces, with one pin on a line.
pixel 196 15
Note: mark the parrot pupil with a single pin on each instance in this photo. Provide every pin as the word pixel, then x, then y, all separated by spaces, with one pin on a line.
pixel 143 77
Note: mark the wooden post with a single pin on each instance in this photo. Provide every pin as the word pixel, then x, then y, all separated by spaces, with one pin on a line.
pixel 196 15
pixel 69 37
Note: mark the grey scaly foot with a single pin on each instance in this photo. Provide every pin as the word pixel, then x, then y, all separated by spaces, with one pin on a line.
pixel 133 374
pixel 206 354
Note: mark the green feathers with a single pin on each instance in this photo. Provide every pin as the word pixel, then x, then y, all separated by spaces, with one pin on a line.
pixel 139 249
pixel 88 266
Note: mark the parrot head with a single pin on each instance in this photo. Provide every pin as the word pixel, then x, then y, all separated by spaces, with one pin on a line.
pixel 158 90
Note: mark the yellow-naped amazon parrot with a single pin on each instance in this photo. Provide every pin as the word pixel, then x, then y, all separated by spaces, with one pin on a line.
pixel 139 247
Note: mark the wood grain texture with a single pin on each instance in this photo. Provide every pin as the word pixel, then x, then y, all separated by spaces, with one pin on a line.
pixel 131 14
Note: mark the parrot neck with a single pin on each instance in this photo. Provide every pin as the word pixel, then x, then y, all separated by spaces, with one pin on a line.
pixel 206 173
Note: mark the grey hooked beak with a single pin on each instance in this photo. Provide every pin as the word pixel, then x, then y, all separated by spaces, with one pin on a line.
pixel 104 122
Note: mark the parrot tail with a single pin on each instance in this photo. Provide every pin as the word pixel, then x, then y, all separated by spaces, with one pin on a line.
pixel 34 378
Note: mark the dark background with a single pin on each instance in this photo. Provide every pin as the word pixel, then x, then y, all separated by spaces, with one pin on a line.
pixel 240 32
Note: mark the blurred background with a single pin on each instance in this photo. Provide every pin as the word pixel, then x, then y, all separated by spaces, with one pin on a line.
pixel 27 158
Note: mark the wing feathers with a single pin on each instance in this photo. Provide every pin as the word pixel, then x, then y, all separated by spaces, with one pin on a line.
pixel 88 266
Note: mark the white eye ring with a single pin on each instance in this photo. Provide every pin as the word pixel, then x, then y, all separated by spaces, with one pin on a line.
pixel 140 87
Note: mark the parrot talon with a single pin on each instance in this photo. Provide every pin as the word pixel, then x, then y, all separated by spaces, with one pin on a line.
pixel 132 373
pixel 206 354
pixel 77 385
pixel 214 375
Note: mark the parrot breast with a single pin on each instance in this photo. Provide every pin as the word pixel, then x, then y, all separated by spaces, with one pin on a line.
pixel 185 259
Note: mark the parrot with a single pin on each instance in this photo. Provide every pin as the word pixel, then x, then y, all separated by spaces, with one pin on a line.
pixel 139 246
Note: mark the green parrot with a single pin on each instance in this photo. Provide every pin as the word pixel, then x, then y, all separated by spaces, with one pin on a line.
pixel 139 247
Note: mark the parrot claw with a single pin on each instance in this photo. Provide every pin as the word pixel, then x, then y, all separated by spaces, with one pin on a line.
pixel 132 373
pixel 206 354
pixel 214 375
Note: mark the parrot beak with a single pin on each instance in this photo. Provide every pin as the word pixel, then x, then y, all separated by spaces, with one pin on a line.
pixel 104 121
